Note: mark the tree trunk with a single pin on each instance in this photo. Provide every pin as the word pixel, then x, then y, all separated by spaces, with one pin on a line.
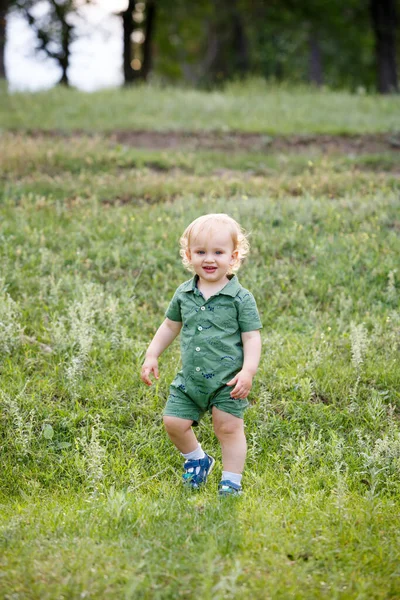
pixel 383 16
pixel 148 40
pixel 239 45
pixel 230 54
pixel 315 60
pixel 66 52
pixel 64 74
pixel 3 21
pixel 128 27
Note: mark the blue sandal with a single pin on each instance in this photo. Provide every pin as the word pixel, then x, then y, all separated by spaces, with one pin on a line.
pixel 197 471
pixel 228 488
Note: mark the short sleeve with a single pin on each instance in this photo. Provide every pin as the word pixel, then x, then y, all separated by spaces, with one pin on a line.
pixel 173 311
pixel 248 317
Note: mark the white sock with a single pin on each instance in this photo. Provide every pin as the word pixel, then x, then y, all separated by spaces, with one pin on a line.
pixel 195 454
pixel 234 477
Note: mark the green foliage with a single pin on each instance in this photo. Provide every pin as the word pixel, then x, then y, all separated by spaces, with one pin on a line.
pixel 281 35
pixel 211 42
pixel 91 498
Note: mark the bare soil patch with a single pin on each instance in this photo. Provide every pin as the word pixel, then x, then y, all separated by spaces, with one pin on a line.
pixel 242 142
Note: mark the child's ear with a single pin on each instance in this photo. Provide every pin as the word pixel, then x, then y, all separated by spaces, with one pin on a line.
pixel 234 257
pixel 188 254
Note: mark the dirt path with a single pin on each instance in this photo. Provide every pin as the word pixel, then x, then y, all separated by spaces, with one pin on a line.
pixel 245 142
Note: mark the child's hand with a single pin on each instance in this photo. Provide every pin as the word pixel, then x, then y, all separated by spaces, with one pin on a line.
pixel 150 365
pixel 243 381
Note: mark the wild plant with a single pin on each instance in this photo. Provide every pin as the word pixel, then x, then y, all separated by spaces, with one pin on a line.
pixel 10 528
pixel 318 353
pixel 306 386
pixel 228 586
pixel 115 322
pixel 10 328
pixel 74 372
pixel 51 288
pixel 81 319
pixel 380 456
pixel 47 261
pixel 376 409
pixel 314 359
pixel 305 455
pixel 110 319
pixel 340 469
pixel 386 449
pixel 92 454
pixel 81 315
pixel 345 306
pixel 116 503
pixel 264 405
pixel 21 425
pixel 59 334
pixel 393 335
pixel 386 452
pixel 359 344
pixel 391 291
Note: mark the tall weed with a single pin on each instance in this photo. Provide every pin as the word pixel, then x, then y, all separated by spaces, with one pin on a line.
pixel 92 457
pixel 20 423
pixel 10 327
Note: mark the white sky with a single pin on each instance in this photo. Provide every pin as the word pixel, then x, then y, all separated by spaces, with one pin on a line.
pixel 96 59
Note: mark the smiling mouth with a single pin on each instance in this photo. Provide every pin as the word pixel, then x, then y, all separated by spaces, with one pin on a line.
pixel 210 269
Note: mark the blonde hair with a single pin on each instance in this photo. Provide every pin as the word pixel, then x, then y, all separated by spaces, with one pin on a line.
pixel 208 223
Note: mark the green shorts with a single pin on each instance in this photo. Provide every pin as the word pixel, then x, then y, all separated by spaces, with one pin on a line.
pixel 185 405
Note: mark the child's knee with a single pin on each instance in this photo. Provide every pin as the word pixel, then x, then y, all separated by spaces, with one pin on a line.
pixel 175 425
pixel 227 424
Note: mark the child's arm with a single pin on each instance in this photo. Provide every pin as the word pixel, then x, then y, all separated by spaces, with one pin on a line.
pixel 252 352
pixel 164 336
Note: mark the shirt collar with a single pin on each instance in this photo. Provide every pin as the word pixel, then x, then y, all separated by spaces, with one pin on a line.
pixel 231 288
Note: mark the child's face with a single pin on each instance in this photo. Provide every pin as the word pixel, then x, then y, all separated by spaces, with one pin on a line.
pixel 211 254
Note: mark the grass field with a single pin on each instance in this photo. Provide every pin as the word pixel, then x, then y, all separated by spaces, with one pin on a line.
pixel 253 107
pixel 91 503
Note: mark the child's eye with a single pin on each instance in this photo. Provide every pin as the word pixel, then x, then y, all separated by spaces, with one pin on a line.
pixel 219 252
pixel 200 252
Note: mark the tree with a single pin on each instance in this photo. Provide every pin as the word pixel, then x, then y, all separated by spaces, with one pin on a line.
pixel 227 53
pixel 212 41
pixel 128 26
pixel 384 22
pixel 203 42
pixel 54 23
pixel 4 6
pixel 138 21
pixel 314 41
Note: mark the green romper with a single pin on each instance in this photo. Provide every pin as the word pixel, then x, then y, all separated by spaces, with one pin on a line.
pixel 211 348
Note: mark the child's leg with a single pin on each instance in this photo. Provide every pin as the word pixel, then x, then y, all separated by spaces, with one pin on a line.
pixel 230 433
pixel 181 434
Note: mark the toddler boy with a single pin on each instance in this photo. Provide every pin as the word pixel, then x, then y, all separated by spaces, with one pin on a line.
pixel 220 346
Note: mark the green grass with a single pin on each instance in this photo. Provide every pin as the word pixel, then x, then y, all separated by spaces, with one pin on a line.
pixel 163 544
pixel 91 499
pixel 252 107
